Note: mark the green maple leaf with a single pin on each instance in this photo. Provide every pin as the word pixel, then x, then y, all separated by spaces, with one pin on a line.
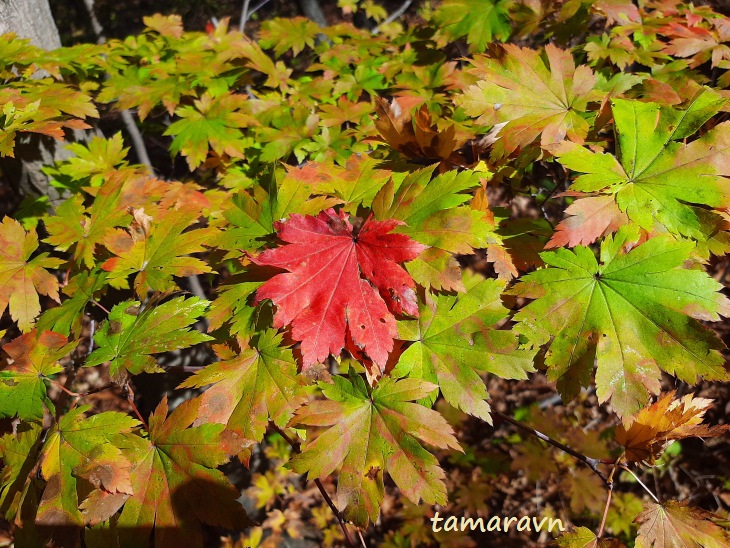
pixel 481 21
pixel 67 318
pixel 452 342
pixel 433 214
pixel 18 453
pixel 656 177
pixel 533 99
pixel 24 382
pixel 371 433
pixel 94 161
pixel 130 337
pixel 356 184
pixel 288 34
pixel 22 278
pixel 259 384
pixel 214 122
pixel 84 448
pixel 72 227
pixel 430 209
pixel 176 482
pixel 142 89
pixel 234 305
pixel 158 254
pixel 253 212
pixel 632 314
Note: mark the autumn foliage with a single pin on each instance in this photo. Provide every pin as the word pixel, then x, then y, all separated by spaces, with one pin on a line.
pixel 347 240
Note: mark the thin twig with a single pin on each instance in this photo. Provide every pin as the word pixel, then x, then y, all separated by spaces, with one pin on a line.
pixel 338 515
pixel 137 141
pixel 92 301
pixel 588 461
pixel 605 511
pixel 393 16
pixel 63 388
pixel 244 15
pixel 257 7
pixel 609 484
pixel 130 400
pixel 641 483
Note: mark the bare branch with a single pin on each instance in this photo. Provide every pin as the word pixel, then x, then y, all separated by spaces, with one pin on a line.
pixel 137 141
pixel 393 16
pixel 590 462
pixel 340 518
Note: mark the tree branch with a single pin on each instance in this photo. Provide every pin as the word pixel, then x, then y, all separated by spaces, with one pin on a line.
pixel 244 16
pixel 338 515
pixel 393 16
pixel 590 462
pixel 127 118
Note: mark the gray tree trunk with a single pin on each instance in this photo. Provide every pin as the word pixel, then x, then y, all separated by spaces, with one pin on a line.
pixel 32 19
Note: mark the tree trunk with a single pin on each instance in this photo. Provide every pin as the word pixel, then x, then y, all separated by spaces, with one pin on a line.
pixel 32 19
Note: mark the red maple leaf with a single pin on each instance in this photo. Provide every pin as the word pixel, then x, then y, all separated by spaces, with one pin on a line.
pixel 340 279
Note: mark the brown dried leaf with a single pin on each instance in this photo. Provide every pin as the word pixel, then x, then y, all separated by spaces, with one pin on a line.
pixel 655 427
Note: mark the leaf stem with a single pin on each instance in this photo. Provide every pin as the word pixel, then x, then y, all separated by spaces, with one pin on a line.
pixel 92 301
pixel 624 467
pixel 588 461
pixel 605 512
pixel 130 399
pixel 340 518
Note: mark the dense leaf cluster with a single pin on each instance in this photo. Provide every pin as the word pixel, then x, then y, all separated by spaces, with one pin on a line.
pixel 356 269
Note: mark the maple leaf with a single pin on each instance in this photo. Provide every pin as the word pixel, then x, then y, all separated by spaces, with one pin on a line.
pixel 22 279
pixel 252 215
pixel 700 44
pixel 340 281
pixel 581 486
pixel 234 305
pixel 452 342
pixel 24 382
pixel 481 21
pixel 288 34
pixel 156 252
pixel 130 337
pixel 84 448
pixel 675 523
pixel 176 483
pixel 68 318
pixel 93 163
pixel 641 301
pixel 651 430
pixel 522 241
pixel 589 219
pixel 379 431
pixel 433 214
pixel 259 384
pixel 41 106
pixel 582 537
pixel 71 227
pixel 355 184
pixel 618 11
pixel 18 453
pixel 416 135
pixel 214 122
pixel 532 98
pixel 167 25
pixel 656 177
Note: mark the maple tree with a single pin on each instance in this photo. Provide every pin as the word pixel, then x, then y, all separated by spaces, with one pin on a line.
pixel 357 258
